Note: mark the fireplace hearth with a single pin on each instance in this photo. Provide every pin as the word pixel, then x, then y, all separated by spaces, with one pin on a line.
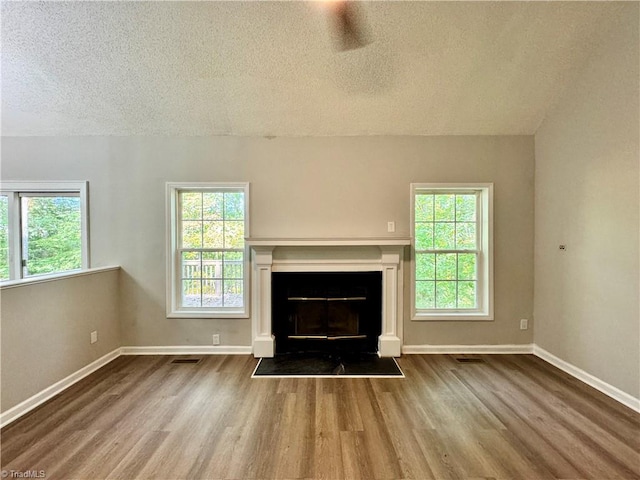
pixel 326 311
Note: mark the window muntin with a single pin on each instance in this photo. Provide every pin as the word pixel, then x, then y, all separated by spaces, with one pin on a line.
pixel 211 248
pixel 446 230
pixel 43 228
pixel 209 268
pixel 451 227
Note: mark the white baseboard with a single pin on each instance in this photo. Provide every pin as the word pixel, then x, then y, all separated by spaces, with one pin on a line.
pixel 189 350
pixel 39 398
pixel 609 390
pixel 467 349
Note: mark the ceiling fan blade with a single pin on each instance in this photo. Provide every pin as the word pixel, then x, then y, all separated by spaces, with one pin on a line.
pixel 349 21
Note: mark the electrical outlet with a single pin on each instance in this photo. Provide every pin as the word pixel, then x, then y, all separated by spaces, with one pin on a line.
pixel 216 339
pixel 524 324
pixel 94 336
pixel 391 227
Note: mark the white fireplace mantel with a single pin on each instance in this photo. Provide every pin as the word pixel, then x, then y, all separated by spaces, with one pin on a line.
pixel 328 242
pixel 331 255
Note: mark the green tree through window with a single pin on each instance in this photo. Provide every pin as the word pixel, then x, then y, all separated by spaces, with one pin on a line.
pixel 212 243
pixel 453 255
pixel 208 269
pixel 43 228
pixel 52 240
pixel 446 252
pixel 4 237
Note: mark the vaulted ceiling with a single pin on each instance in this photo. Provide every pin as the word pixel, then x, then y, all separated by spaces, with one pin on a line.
pixel 271 68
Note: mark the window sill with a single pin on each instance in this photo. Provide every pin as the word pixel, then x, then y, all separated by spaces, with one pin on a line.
pixel 209 314
pixel 54 277
pixel 452 317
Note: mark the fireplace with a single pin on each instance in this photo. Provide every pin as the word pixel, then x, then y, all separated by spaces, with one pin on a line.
pixel 326 311
pixel 384 256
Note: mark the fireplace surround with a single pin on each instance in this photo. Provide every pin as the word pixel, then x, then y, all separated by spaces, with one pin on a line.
pixel 384 255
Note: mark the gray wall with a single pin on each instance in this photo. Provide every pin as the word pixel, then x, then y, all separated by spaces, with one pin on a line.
pixel 46 331
pixel 300 187
pixel 587 182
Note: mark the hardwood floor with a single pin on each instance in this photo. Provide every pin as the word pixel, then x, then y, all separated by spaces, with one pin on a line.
pixel 512 417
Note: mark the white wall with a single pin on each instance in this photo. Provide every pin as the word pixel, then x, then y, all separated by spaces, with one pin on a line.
pixel 300 187
pixel 587 182
pixel 46 331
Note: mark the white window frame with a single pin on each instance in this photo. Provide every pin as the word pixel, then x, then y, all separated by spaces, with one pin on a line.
pixel 173 257
pixel 13 190
pixel 484 266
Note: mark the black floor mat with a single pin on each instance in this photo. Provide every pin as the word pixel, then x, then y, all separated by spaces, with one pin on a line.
pixel 324 365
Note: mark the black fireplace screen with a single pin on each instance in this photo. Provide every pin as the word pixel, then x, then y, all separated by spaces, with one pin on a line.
pixel 321 311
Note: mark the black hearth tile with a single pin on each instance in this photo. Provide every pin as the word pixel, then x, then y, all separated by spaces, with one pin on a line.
pixel 365 365
pixel 372 366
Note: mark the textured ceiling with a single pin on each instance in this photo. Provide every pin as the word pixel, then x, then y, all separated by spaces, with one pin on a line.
pixel 270 68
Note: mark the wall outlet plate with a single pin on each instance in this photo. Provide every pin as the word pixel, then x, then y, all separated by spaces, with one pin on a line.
pixel 216 339
pixel 391 227
pixel 524 324
pixel 94 336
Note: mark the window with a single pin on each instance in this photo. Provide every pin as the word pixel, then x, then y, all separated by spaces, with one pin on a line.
pixel 43 228
pixel 452 245
pixel 208 262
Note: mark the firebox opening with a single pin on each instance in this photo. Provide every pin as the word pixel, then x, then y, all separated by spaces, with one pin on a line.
pixel 326 311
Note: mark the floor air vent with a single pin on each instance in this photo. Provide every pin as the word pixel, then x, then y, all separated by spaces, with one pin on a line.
pixel 469 360
pixel 190 361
